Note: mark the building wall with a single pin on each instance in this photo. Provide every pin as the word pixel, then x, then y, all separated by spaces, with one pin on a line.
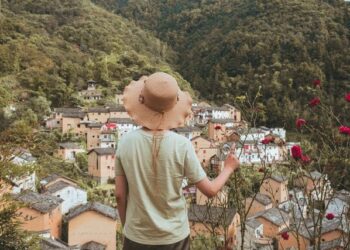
pixel 278 192
pixel 270 229
pixel 333 235
pixel 72 197
pixel 93 168
pixel 98 117
pixel 301 243
pixel 219 135
pixel 101 167
pixel 35 221
pixel 93 138
pixel 255 207
pixel 107 163
pixel 201 143
pixel 68 154
pixel 92 226
pixel 119 115
pixel 70 125
pixel 204 155
pixel 218 200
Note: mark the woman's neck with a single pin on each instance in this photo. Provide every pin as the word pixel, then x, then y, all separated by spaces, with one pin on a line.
pixel 155 131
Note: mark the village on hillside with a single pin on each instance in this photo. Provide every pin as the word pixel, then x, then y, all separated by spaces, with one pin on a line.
pixel 58 209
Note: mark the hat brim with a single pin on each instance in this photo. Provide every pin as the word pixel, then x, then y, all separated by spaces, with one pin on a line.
pixel 151 119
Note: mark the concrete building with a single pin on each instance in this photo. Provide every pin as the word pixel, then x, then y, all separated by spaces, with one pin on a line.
pixel 92 222
pixel 41 212
pixel 101 162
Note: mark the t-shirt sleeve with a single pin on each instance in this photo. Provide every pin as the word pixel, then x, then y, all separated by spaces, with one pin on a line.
pixel 193 169
pixel 118 163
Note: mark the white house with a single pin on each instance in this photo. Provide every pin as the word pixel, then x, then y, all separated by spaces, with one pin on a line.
pixel 123 125
pixel 253 236
pixel 108 139
pixel 71 194
pixel 339 203
pixel 27 181
pixel 68 150
pixel 202 114
pixel 256 152
pixel 258 134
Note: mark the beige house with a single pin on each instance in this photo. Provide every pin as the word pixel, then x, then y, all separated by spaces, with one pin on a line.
pixel 71 123
pixel 219 200
pixel 205 150
pixel 234 112
pixel 93 135
pixel 41 212
pixel 55 120
pixel 101 162
pixel 276 188
pixel 261 202
pixel 68 150
pixel 221 222
pixel 92 224
pixel 311 181
pixel 98 114
pixel 332 236
pixel 219 129
pixel 274 221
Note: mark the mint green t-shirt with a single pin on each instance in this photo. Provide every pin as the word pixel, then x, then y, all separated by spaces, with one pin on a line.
pixel 156 208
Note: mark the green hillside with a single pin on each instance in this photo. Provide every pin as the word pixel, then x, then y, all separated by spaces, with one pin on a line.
pixel 229 48
pixel 49 49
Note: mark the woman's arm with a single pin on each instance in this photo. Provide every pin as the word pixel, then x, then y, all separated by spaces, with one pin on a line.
pixel 121 192
pixel 211 188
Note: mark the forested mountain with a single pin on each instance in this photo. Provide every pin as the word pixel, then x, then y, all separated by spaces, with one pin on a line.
pixel 226 48
pixel 50 48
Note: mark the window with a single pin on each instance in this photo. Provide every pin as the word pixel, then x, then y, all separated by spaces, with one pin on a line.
pixel 78 125
pixel 204 151
pixel 108 167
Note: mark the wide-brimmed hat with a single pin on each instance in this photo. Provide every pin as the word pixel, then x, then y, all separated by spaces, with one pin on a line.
pixel 156 102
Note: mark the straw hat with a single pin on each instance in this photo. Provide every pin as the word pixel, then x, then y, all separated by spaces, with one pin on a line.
pixel 156 102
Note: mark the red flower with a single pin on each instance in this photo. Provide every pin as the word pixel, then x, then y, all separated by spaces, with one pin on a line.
pixel 314 102
pixel 217 127
pixel 267 140
pixel 285 235
pixel 344 130
pixel 300 122
pixel 261 170
pixel 330 216
pixel 296 152
pixel 347 97
pixel 305 159
pixel 316 82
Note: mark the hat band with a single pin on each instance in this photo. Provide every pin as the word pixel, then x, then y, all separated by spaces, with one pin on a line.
pixel 158 108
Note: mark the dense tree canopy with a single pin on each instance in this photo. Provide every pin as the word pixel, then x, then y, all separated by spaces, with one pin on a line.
pixel 229 48
pixel 51 48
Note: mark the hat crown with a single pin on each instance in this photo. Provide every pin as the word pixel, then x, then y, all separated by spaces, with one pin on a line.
pixel 160 92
